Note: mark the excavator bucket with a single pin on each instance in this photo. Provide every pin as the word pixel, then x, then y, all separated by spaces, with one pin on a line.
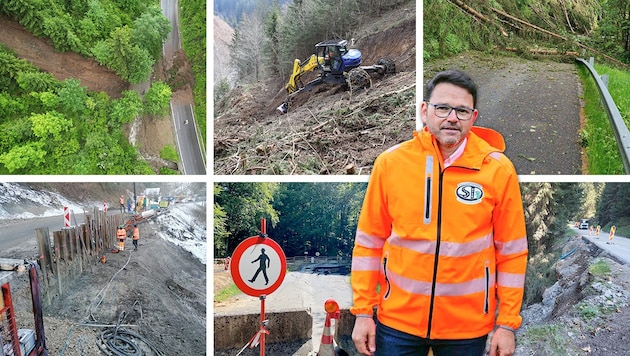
pixel 283 108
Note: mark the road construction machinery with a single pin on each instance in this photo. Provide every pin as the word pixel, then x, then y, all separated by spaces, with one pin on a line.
pixel 337 65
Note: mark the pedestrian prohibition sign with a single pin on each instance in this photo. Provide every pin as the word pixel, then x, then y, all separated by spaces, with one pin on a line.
pixel 258 266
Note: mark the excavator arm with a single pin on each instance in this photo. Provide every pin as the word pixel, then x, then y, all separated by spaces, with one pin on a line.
pixel 299 69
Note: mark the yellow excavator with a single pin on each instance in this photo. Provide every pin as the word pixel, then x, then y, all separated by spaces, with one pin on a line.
pixel 336 65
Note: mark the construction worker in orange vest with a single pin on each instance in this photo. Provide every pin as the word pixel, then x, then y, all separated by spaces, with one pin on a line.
pixel 442 231
pixel 121 234
pixel 611 235
pixel 136 236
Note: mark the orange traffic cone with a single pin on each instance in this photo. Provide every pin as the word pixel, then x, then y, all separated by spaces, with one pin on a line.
pixel 327 347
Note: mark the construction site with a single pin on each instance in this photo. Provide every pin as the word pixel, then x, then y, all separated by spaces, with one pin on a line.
pixel 71 286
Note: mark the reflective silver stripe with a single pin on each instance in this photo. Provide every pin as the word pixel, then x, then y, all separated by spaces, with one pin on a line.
pixel 370 241
pixel 513 280
pixel 496 155
pixel 366 263
pixel 511 247
pixel 447 248
pixel 428 190
pixel 456 249
pixel 393 148
pixel 441 289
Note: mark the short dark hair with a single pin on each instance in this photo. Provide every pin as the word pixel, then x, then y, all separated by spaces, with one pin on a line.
pixel 455 77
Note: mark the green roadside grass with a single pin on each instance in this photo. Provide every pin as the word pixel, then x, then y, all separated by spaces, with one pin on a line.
pixel 598 138
pixel 226 293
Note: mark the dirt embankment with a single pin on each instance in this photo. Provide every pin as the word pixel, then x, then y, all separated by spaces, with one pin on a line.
pixel 61 65
pixel 327 130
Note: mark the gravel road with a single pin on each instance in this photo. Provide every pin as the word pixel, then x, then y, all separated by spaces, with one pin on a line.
pixel 535 105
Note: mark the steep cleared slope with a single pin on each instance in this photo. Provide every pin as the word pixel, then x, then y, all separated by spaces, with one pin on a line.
pixel 328 130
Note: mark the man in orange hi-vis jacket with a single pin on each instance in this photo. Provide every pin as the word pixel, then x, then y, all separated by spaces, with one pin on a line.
pixel 441 237
pixel 136 236
pixel 121 235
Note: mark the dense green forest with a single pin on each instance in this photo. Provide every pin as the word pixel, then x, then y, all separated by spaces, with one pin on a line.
pixel 125 36
pixel 59 127
pixel 232 10
pixel 452 27
pixel 268 40
pixel 322 217
pixel 193 19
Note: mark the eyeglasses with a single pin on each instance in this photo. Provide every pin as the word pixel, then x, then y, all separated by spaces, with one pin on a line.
pixel 443 111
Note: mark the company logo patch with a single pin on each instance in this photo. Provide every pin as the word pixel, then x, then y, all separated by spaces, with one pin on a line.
pixel 469 193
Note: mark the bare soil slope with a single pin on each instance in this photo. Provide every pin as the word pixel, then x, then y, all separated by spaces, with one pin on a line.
pixel 327 130
pixel 61 65
pixel 149 134
pixel 161 288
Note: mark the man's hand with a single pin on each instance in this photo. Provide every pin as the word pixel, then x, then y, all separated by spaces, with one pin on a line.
pixel 364 335
pixel 502 344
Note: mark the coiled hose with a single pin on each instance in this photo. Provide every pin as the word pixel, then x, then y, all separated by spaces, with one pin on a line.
pixel 122 342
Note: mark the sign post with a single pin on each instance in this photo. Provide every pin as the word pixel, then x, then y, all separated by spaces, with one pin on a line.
pixel 258 266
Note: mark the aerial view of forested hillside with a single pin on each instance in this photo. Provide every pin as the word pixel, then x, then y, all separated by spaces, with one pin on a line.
pixel 74 75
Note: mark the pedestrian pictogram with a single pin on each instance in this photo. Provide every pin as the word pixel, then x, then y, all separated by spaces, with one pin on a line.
pixel 258 266
pixel 256 255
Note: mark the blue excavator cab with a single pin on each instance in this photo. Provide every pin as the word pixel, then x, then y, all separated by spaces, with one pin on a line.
pixel 335 57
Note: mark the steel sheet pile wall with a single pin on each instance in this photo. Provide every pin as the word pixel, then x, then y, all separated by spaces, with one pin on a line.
pixel 73 250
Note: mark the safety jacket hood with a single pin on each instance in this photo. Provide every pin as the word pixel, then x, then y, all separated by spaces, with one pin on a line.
pixel 481 142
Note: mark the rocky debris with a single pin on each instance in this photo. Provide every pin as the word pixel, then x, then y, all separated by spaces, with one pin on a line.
pixel 584 311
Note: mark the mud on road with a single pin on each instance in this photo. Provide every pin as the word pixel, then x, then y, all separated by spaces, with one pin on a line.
pixel 149 134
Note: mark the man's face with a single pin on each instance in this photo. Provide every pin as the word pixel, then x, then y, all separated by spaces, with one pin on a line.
pixel 449 131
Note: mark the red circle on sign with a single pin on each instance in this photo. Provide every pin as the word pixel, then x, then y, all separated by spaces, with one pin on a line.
pixel 249 246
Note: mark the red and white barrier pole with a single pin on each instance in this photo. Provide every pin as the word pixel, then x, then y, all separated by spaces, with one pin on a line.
pixel 66 216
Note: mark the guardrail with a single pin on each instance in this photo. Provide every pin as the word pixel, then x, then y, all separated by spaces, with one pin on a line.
pixel 622 134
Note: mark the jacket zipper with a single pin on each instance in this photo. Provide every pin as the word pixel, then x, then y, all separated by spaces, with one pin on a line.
pixel 386 279
pixel 437 253
pixel 428 174
pixel 486 305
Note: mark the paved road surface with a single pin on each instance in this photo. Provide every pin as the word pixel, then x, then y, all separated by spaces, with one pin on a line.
pixel 187 139
pixel 619 248
pixel 535 105
pixel 190 151
pixel 18 232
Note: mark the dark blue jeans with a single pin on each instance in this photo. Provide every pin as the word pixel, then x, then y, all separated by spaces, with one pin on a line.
pixel 391 342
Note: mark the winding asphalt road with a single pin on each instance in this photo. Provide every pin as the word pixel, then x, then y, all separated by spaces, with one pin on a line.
pixel 190 150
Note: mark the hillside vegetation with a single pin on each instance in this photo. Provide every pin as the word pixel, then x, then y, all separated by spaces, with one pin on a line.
pixel 53 123
pixel 528 27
